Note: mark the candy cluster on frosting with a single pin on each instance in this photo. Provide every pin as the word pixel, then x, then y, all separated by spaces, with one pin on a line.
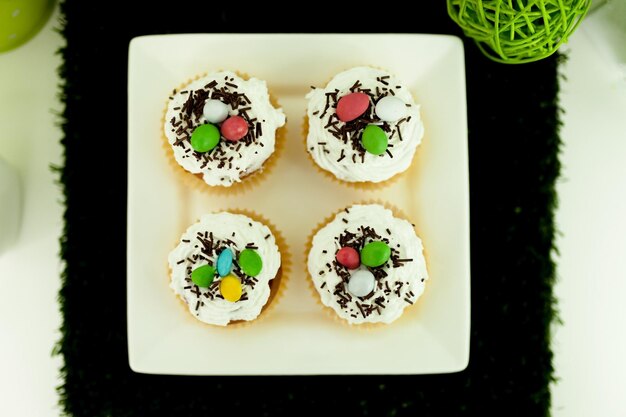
pixel 367 127
pixel 230 287
pixel 367 271
pixel 363 117
pixel 222 272
pixel 206 136
pixel 355 291
pixel 222 126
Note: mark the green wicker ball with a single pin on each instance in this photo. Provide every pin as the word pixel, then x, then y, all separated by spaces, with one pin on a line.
pixel 518 31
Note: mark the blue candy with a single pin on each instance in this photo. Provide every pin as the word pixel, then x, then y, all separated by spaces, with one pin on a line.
pixel 224 262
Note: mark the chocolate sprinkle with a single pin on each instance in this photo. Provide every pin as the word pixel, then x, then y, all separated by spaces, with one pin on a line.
pixel 360 309
pixel 196 291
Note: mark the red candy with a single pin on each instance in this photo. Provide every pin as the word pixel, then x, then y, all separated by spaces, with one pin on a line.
pixel 234 128
pixel 352 106
pixel 348 257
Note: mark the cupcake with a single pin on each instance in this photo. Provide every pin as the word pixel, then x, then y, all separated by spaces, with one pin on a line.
pixel 223 129
pixel 227 268
pixel 362 128
pixel 367 265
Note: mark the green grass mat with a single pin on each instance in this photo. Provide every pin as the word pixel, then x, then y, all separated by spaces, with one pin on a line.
pixel 514 144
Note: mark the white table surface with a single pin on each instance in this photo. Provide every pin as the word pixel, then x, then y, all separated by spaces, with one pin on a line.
pixel 589 346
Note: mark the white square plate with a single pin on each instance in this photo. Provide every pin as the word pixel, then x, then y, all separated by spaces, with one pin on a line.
pixel 299 338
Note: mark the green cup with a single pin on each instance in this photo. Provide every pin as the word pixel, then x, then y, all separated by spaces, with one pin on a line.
pixel 20 20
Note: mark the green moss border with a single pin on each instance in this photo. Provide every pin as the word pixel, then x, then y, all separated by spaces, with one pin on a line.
pixel 514 147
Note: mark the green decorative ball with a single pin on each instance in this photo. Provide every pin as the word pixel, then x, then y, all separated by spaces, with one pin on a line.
pixel 515 32
pixel 20 20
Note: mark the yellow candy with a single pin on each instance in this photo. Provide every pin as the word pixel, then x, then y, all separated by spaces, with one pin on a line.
pixel 230 288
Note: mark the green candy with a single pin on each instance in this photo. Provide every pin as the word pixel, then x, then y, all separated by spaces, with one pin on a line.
pixel 205 138
pixel 203 276
pixel 250 262
pixel 375 254
pixel 374 140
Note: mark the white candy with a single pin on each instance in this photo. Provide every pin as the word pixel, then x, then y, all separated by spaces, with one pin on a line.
pixel 215 111
pixel 361 283
pixel 390 109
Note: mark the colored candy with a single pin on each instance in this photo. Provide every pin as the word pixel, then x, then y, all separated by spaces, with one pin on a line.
pixel 375 254
pixel 390 109
pixel 203 275
pixel 352 106
pixel 374 140
pixel 348 257
pixel 250 262
pixel 230 288
pixel 234 128
pixel 215 111
pixel 205 138
pixel 224 262
pixel 361 283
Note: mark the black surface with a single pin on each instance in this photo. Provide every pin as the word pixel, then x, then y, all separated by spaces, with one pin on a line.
pixel 513 141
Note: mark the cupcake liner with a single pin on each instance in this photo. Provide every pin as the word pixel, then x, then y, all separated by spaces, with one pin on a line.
pixel 278 284
pixel 249 181
pixel 358 185
pixel 329 311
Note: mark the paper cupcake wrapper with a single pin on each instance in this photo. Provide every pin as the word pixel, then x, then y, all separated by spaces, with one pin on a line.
pixel 248 182
pixel 358 185
pixel 278 284
pixel 329 311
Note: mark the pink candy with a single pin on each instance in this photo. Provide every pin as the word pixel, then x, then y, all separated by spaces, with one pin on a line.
pixel 234 128
pixel 348 257
pixel 352 106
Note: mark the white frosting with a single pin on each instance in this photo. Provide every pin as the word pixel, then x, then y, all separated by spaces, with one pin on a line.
pixel 246 159
pixel 412 275
pixel 222 225
pixel 373 168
